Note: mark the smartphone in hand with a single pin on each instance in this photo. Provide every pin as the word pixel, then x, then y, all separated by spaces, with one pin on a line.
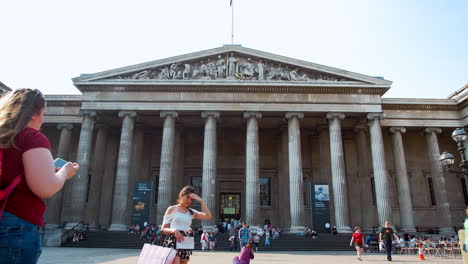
pixel 59 163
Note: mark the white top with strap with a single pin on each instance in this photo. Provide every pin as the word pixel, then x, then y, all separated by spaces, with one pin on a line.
pixel 178 220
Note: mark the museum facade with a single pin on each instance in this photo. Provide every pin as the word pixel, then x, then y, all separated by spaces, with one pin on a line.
pixel 260 136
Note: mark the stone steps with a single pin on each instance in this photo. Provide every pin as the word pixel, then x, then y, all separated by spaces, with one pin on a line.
pixel 287 242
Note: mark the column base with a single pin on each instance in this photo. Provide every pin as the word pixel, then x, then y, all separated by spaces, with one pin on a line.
pixel 295 230
pixel 72 225
pixel 446 231
pixel 344 229
pixel 52 237
pixel 409 229
pixel 118 227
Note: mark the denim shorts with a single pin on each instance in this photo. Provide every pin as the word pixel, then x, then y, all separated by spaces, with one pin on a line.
pixel 20 240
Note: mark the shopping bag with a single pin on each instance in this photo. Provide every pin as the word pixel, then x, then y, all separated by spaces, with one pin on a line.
pixel 153 254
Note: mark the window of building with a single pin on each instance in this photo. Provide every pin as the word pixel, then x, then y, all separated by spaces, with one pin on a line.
pixel 265 192
pixel 465 195
pixel 373 191
pixel 431 190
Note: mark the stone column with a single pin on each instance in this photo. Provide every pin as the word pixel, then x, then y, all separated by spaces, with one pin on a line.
pixel 121 197
pixel 167 163
pixel 381 180
pixel 367 209
pixel 79 182
pixel 95 188
pixel 54 206
pixel 209 166
pixel 403 187
pixel 438 178
pixel 340 191
pixel 295 172
pixel 252 173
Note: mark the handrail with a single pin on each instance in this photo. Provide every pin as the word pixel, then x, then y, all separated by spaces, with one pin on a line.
pixel 68 232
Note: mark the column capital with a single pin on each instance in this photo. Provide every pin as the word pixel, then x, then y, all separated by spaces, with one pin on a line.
pixel 257 115
pixel 207 114
pixel 87 113
pixel 290 115
pixel 333 115
pixel 371 116
pixel 429 130
pixel 64 126
pixel 393 130
pixel 172 114
pixel 132 114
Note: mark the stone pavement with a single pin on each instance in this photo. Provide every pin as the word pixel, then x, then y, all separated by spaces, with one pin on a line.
pixel 52 255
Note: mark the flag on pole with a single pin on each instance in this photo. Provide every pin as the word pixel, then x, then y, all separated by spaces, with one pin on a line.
pixel 230 3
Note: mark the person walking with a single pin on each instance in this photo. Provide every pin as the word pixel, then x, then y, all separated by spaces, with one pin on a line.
pixel 386 235
pixel 357 241
pixel 178 219
pixel 28 170
pixel 244 235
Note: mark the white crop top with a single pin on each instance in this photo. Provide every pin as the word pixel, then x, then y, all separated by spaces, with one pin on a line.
pixel 179 221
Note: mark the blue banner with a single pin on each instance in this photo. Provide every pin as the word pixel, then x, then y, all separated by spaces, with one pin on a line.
pixel 321 207
pixel 141 203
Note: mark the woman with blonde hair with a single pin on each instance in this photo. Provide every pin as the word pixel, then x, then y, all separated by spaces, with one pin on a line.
pixel 178 219
pixel 28 171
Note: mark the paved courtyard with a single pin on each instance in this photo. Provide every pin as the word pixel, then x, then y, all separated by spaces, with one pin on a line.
pixel 51 255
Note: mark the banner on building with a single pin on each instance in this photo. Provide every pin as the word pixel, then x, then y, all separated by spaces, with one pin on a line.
pixel 141 202
pixel 321 207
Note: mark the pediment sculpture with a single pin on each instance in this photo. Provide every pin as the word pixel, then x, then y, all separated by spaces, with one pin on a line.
pixel 231 67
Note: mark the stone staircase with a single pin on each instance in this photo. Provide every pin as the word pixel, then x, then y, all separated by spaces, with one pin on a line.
pixel 287 242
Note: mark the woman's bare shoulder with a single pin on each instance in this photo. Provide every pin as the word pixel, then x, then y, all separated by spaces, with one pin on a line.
pixel 171 209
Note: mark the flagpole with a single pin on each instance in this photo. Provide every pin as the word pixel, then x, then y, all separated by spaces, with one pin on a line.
pixel 232 22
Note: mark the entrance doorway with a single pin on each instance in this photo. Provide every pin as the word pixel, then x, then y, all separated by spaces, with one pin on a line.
pixel 230 208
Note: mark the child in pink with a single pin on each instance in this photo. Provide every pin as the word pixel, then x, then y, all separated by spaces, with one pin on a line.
pixel 245 256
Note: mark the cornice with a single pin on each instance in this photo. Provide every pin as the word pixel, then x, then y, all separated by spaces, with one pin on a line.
pixel 305 88
pixel 420 107
pixel 63 103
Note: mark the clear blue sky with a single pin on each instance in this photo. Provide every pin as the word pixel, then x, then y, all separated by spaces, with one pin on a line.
pixel 420 45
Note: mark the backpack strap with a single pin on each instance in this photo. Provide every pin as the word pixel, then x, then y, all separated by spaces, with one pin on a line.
pixel 5 193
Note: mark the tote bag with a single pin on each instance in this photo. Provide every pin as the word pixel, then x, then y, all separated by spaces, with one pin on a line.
pixel 152 254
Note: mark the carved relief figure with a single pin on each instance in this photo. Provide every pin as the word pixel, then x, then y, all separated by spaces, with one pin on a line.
pixel 211 69
pixel 173 71
pixel 221 67
pixel 164 74
pixel 293 74
pixel 232 65
pixel 247 69
pixel 260 70
pixel 141 75
pixel 203 69
pixel 186 73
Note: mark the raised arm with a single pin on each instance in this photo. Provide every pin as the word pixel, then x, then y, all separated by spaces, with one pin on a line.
pixel 205 214
pixel 40 173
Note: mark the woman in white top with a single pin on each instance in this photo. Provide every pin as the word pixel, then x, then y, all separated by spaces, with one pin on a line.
pixel 178 219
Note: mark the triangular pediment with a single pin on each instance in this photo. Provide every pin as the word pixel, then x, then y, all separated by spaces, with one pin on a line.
pixel 229 63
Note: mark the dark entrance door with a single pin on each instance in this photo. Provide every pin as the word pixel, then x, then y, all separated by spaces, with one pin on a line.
pixel 230 206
